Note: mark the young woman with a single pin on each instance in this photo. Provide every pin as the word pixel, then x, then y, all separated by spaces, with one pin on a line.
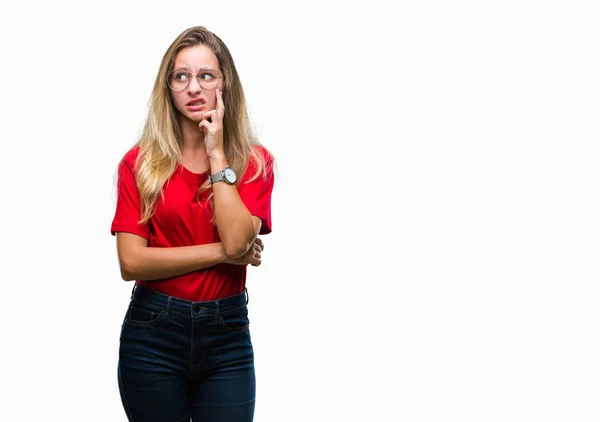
pixel 194 193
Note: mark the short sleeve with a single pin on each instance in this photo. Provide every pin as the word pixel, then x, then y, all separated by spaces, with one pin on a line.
pixel 256 195
pixel 128 211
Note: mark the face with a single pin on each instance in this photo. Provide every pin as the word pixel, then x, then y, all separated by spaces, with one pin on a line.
pixel 195 100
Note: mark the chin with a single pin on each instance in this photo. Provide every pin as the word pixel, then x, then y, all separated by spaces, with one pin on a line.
pixel 193 117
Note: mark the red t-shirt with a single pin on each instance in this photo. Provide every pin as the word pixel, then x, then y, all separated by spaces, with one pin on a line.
pixel 180 220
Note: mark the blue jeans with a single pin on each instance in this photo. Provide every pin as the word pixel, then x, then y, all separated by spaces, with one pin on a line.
pixel 182 360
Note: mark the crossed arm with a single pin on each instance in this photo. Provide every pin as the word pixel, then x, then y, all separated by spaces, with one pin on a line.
pixel 138 261
pixel 238 231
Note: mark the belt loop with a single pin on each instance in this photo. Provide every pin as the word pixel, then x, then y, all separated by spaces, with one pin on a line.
pixel 247 295
pixel 133 290
pixel 168 305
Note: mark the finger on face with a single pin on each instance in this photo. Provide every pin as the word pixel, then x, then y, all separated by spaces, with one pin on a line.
pixel 208 114
pixel 220 105
pixel 203 126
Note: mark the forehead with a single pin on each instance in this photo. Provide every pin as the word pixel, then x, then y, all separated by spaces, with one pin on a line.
pixel 196 57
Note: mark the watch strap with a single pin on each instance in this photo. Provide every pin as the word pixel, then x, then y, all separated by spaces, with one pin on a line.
pixel 217 177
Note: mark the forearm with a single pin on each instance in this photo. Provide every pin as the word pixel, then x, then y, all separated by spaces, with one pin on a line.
pixel 233 220
pixel 153 263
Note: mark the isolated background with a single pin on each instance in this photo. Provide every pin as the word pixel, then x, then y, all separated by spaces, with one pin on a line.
pixel 434 254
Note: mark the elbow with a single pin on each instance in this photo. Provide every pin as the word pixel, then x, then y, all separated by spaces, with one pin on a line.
pixel 127 276
pixel 236 250
pixel 237 247
pixel 127 272
pixel 130 249
pixel 238 244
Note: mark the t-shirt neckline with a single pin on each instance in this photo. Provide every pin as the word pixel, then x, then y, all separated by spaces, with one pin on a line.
pixel 188 175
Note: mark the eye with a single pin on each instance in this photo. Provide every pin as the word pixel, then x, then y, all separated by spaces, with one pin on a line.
pixel 180 76
pixel 208 76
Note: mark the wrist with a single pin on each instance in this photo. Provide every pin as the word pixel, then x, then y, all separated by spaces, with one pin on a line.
pixel 217 164
pixel 216 154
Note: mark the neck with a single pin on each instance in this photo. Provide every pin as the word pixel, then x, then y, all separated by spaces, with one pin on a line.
pixel 193 138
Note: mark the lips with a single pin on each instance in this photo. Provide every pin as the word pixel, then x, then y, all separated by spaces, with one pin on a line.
pixel 196 102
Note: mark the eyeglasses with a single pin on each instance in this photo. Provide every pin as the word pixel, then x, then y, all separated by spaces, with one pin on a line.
pixel 179 79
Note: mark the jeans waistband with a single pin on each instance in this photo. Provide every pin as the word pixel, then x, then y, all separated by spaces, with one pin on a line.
pixel 175 304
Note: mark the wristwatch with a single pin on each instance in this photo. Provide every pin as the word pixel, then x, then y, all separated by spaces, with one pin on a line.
pixel 227 175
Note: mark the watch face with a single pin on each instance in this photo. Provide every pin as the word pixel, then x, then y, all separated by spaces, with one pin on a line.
pixel 229 175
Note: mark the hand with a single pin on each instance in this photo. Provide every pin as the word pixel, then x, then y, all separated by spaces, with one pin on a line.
pixel 251 257
pixel 213 129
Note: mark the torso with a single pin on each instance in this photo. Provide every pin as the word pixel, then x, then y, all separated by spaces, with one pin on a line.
pixel 184 218
pixel 195 162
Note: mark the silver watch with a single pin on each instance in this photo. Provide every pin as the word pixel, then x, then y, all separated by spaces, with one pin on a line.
pixel 227 175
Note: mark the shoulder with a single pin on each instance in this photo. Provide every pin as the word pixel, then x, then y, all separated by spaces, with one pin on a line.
pixel 263 151
pixel 131 156
pixel 260 164
pixel 260 157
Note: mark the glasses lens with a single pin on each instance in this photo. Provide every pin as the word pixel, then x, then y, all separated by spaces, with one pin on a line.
pixel 178 80
pixel 208 78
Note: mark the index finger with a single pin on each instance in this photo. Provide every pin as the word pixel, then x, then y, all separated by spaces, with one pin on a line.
pixel 220 104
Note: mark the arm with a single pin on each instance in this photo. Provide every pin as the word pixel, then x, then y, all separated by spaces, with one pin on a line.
pixel 140 262
pixel 237 227
pixel 237 222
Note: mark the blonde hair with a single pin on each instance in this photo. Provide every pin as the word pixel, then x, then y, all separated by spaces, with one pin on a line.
pixel 161 140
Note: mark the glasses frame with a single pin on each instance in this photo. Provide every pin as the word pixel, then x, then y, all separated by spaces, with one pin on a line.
pixel 195 74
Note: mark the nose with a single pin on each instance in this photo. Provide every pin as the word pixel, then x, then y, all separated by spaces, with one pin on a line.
pixel 194 85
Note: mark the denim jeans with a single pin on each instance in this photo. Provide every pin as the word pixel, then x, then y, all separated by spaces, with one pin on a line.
pixel 182 360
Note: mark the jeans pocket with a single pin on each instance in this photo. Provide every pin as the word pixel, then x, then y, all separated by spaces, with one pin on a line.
pixel 235 319
pixel 141 313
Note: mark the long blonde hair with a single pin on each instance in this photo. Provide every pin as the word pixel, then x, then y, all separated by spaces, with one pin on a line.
pixel 161 140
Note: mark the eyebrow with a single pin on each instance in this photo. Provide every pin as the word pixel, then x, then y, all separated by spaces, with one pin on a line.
pixel 187 68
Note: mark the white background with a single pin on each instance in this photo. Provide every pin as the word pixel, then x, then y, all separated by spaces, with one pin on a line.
pixel 434 254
